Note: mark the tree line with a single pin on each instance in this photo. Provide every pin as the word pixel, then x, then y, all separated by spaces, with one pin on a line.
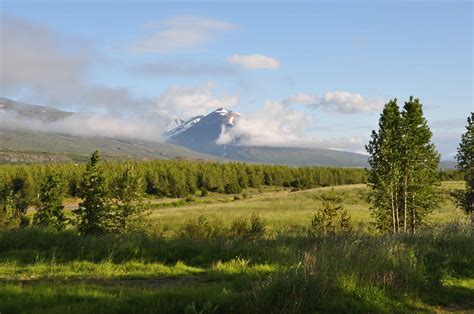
pixel 112 192
pixel 179 178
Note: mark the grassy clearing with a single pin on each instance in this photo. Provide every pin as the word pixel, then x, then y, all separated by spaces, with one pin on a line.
pixel 285 272
pixel 289 212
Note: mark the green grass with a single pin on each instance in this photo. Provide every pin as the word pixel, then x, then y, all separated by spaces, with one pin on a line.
pixel 165 271
pixel 287 212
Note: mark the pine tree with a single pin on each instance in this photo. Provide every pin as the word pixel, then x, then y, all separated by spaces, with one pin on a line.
pixel 93 213
pixel 385 174
pixel 331 218
pixel 129 209
pixel 50 213
pixel 465 159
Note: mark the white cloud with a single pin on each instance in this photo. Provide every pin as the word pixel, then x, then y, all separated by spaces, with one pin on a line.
pixel 184 102
pixel 278 125
pixel 43 65
pixel 255 61
pixel 179 33
pixel 147 122
pixel 275 125
pixel 145 127
pixel 337 101
pixel 345 102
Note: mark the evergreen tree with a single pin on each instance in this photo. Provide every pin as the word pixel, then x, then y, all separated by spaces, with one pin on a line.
pixel 128 193
pixel 50 213
pixel 331 218
pixel 93 213
pixel 465 159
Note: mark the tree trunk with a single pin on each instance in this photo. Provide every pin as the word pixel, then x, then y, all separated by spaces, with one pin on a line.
pixel 393 214
pixel 405 198
pixel 397 216
pixel 413 215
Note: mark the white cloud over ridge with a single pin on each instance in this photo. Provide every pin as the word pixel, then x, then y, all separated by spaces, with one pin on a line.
pixel 179 33
pixel 278 125
pixel 255 61
pixel 337 101
pixel 183 102
pixel 275 125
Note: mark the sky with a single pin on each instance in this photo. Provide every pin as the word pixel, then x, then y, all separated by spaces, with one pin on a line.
pixel 301 73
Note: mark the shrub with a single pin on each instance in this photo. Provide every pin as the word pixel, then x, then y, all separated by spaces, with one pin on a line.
pixel 232 188
pixel 257 227
pixel 190 199
pixel 238 228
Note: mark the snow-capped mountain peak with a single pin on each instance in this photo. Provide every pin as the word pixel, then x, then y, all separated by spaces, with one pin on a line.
pixel 181 125
pixel 201 132
pixel 222 111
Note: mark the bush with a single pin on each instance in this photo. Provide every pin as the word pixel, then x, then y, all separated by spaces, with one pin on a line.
pixel 197 229
pixel 232 188
pixel 240 228
pixel 190 199
pixel 257 227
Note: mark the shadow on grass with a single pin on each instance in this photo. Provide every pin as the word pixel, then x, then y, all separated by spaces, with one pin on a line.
pixel 451 298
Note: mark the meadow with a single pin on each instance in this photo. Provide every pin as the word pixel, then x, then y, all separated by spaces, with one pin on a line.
pixel 190 261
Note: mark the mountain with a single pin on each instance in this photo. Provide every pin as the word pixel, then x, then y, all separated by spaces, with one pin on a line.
pixel 22 145
pixel 31 111
pixel 191 139
pixel 32 146
pixel 200 134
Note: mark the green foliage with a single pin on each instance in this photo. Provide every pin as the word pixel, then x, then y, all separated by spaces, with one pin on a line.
pixel 198 229
pixel 93 215
pixel 50 212
pixel 128 212
pixel 257 227
pixel 465 159
pixel 179 178
pixel 332 218
pixel 404 168
pixel 15 196
pixel 233 188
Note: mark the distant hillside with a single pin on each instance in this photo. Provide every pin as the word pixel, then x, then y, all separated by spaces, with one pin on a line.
pixel 32 111
pixel 295 156
pixel 31 146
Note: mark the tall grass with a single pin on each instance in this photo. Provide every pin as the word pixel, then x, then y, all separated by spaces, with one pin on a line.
pixel 352 272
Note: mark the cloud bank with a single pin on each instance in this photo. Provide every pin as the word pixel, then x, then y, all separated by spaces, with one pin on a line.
pixel 337 101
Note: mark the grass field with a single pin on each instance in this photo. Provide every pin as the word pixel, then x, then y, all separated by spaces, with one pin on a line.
pixel 168 271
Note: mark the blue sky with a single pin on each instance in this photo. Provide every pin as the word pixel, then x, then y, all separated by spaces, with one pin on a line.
pixel 313 73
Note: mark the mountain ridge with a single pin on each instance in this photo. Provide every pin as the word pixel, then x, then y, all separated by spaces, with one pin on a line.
pixel 192 138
